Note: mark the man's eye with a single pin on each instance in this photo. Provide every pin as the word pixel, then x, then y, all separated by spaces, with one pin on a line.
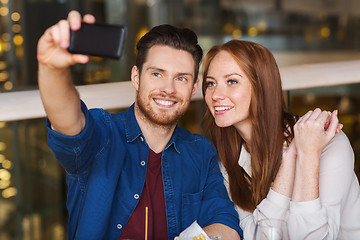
pixel 156 74
pixel 182 79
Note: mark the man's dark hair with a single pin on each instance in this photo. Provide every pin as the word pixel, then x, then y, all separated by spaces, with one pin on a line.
pixel 168 35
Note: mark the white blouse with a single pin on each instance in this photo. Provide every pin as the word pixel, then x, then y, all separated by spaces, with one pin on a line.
pixel 334 215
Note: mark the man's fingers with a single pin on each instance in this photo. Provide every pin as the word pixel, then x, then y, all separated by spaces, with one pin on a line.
pixel 64 35
pixel 88 18
pixel 54 35
pixel 79 58
pixel 74 19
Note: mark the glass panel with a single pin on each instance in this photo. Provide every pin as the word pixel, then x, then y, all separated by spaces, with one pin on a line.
pixel 33 192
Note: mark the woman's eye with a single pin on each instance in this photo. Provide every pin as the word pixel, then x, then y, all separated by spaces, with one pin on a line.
pixel 231 82
pixel 210 84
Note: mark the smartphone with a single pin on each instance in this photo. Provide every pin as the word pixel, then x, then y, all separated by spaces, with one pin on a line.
pixel 100 40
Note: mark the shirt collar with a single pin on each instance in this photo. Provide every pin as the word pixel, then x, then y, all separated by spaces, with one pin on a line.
pixel 245 160
pixel 174 138
pixel 132 128
pixel 133 131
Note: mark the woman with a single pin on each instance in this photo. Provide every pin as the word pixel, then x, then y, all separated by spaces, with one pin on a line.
pixel 274 165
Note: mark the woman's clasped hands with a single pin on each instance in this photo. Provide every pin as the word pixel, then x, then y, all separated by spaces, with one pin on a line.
pixel 314 131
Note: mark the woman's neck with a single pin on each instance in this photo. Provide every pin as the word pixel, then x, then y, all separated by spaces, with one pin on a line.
pixel 245 130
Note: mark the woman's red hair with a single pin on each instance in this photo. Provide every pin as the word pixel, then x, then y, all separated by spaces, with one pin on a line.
pixel 271 124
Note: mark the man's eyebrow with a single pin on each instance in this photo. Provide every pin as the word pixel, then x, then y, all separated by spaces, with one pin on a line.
pixel 185 73
pixel 155 68
pixel 163 70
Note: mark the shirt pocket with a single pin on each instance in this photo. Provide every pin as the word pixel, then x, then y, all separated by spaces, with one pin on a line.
pixel 191 204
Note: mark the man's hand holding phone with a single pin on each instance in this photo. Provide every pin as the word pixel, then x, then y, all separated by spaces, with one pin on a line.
pixel 52 46
pixel 71 41
pixel 60 98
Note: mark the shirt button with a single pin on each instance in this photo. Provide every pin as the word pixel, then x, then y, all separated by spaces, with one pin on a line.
pixel 142 163
pixel 142 139
pixel 119 226
pixel 136 196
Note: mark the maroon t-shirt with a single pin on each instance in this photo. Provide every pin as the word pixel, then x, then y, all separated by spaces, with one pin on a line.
pixel 153 199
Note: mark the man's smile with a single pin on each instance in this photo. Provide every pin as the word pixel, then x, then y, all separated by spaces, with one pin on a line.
pixel 164 102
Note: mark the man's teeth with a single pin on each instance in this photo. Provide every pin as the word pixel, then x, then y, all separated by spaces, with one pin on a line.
pixel 163 102
pixel 222 108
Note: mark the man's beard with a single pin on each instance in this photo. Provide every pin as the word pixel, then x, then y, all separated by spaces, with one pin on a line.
pixel 165 119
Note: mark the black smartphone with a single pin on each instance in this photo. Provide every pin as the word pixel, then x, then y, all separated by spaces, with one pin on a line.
pixel 100 40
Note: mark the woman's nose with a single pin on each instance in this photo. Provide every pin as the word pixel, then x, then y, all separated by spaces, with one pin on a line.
pixel 218 93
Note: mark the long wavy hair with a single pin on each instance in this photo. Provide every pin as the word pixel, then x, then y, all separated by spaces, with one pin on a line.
pixel 271 124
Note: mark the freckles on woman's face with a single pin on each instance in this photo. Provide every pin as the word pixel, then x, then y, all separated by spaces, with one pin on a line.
pixel 228 91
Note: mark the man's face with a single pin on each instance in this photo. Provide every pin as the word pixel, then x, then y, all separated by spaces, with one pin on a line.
pixel 165 86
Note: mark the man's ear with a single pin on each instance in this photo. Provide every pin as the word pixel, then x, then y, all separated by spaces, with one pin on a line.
pixel 195 87
pixel 135 77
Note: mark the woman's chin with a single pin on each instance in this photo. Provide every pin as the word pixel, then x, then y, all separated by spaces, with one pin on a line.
pixel 222 124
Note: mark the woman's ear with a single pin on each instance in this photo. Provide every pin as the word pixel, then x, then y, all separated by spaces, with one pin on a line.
pixel 135 77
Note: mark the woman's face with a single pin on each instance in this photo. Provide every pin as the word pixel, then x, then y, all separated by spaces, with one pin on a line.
pixel 228 92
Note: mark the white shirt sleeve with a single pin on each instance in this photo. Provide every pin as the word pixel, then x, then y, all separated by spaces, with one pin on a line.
pixel 336 213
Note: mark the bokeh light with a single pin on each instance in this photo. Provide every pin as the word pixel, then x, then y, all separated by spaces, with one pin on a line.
pixel 9 192
pixel 15 16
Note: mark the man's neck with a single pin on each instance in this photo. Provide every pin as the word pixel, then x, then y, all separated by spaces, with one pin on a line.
pixel 157 136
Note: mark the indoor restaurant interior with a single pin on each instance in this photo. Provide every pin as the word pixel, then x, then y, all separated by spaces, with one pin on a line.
pixel 316 44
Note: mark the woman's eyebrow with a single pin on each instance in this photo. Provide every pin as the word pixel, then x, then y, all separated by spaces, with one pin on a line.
pixel 209 77
pixel 231 74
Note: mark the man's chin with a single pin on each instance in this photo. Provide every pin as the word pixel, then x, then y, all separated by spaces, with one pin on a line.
pixel 165 121
pixel 160 118
pixel 164 117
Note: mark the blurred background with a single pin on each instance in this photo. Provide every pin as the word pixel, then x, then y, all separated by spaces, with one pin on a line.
pixel 32 184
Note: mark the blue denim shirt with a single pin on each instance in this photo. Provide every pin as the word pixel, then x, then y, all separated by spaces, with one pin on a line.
pixel 105 171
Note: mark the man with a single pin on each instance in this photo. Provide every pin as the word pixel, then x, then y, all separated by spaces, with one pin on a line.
pixel 134 174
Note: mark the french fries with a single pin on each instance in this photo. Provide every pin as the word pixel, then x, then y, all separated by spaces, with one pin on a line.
pixel 201 237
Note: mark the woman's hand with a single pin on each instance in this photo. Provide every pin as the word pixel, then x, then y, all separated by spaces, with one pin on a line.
pixel 314 131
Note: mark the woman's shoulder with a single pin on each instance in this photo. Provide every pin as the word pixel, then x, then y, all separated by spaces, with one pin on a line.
pixel 338 152
pixel 339 142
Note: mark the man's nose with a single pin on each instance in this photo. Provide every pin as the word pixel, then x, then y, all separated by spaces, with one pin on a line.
pixel 168 86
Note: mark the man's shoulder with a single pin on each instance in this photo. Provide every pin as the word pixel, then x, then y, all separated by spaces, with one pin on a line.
pixel 187 137
pixel 107 116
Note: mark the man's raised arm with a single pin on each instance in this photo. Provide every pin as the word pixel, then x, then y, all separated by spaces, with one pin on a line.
pixel 58 94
